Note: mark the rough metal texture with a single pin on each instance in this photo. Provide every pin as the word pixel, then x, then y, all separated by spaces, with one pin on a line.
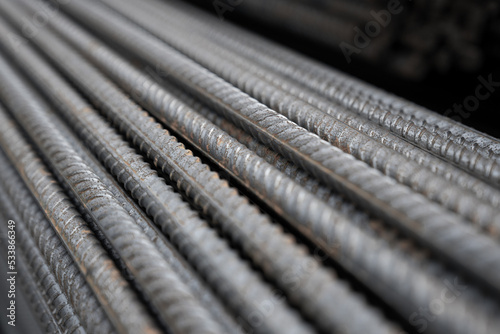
pixel 199 288
pixel 141 257
pixel 275 159
pixel 220 264
pixel 273 253
pixel 49 301
pixel 38 304
pixel 276 250
pixel 162 27
pixel 396 114
pixel 408 282
pixel 68 273
pixel 443 232
pixel 299 104
pixel 411 174
pixel 227 274
pixel 425 286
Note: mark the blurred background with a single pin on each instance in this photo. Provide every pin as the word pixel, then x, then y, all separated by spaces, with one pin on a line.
pixel 432 52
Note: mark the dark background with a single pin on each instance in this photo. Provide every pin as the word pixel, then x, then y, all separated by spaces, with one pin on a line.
pixel 437 90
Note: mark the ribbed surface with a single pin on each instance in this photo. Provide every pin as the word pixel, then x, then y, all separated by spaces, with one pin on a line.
pixel 141 257
pixel 298 105
pixel 52 199
pixel 377 193
pixel 263 178
pixel 274 249
pixel 311 202
pixel 199 289
pixel 390 111
pixel 153 195
pixel 58 315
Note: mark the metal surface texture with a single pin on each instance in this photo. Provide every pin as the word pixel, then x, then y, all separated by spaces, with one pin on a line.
pixel 169 172
pixel 207 251
pixel 276 250
pixel 151 93
pixel 140 256
pixel 54 309
pixel 63 265
pixel 119 300
pixel 37 303
pixel 378 194
pixel 198 287
pixel 381 107
pixel 243 75
pixel 339 133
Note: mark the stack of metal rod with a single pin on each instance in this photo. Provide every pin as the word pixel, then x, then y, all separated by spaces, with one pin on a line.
pixel 165 171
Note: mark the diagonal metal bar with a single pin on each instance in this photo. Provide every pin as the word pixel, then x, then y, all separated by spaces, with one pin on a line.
pixel 143 260
pixel 395 203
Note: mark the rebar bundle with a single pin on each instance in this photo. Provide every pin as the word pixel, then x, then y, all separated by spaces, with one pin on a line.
pixel 163 171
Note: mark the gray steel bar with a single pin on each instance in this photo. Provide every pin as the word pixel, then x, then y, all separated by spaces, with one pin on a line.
pixel 279 94
pixel 425 282
pixel 395 203
pixel 231 278
pixel 101 274
pixel 143 260
pixel 388 110
pixel 276 251
pixel 47 298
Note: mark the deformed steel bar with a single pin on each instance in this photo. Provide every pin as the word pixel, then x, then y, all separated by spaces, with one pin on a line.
pixel 406 295
pixel 160 27
pixel 470 311
pixel 198 287
pixel 476 313
pixel 58 261
pixel 275 252
pixel 285 166
pixel 182 268
pixel 395 203
pixel 55 312
pixel 26 321
pixel 222 269
pixel 263 252
pixel 392 112
pixel 357 145
pixel 181 35
pixel 348 89
pixel 176 306
pixel 275 159
pixel 37 303
pixel 230 277
pixel 69 272
pixel 221 137
pixel 340 134
pixel 44 318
